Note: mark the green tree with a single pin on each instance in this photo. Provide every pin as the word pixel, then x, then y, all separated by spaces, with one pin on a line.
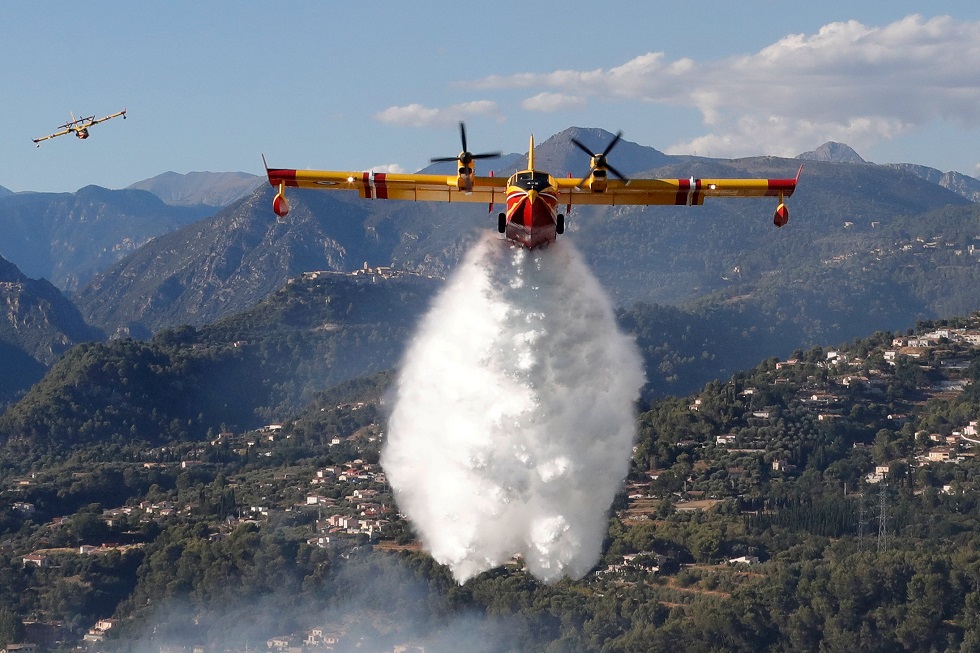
pixel 11 627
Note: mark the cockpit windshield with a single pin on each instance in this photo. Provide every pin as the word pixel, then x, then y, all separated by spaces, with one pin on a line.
pixel 531 180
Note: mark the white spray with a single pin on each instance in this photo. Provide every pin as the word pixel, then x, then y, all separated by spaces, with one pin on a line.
pixel 514 421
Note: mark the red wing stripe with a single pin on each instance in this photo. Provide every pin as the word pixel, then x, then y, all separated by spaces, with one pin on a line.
pixel 284 175
pixel 375 186
pixel 683 188
pixel 784 186
pixel 368 180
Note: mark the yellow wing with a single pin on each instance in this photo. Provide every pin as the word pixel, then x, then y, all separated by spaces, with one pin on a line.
pixel 682 192
pixel 381 185
pixel 44 138
pixel 94 121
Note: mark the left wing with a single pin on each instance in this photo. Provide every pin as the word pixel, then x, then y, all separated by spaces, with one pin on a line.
pixel 390 186
pixel 682 192
pixel 679 192
pixel 44 138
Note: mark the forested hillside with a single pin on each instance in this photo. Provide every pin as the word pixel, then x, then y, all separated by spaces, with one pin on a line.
pixel 235 374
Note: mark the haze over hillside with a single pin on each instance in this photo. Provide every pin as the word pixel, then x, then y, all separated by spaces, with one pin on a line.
pixel 69 237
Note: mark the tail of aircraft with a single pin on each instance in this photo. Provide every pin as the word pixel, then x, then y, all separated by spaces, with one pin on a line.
pixel 530 154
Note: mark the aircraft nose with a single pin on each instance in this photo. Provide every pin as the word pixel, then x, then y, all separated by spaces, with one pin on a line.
pixel 532 196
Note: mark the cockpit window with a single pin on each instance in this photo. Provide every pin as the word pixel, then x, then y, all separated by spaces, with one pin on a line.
pixel 537 181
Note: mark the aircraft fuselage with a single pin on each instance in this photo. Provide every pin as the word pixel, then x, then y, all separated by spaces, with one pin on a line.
pixel 532 209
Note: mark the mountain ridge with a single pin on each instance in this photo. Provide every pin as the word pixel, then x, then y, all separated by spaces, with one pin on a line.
pixel 37 325
pixel 215 189
pixel 69 237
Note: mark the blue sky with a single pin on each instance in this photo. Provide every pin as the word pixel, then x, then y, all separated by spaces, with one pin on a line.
pixel 351 86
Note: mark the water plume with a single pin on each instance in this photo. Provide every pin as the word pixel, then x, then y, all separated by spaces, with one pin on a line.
pixel 513 419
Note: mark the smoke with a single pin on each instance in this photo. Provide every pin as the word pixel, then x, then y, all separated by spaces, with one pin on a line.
pixel 371 602
pixel 513 421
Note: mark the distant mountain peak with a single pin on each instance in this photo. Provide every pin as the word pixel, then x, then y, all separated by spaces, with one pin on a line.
pixel 559 155
pixel 583 133
pixel 10 273
pixel 833 152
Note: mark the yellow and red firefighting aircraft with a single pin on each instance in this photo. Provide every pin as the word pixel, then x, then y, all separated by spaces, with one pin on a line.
pixel 531 196
pixel 78 126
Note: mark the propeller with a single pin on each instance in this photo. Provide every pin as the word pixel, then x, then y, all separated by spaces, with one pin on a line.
pixel 465 157
pixel 599 158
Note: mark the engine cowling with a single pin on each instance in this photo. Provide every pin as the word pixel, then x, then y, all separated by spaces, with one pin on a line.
pixel 464 181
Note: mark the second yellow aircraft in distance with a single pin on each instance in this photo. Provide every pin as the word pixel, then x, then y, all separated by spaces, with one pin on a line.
pixel 79 126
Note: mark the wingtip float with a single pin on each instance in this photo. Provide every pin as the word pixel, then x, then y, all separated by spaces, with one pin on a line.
pixel 532 197
pixel 78 126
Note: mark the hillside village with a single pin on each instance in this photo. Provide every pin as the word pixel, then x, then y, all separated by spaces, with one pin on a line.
pixel 366 273
pixel 841 385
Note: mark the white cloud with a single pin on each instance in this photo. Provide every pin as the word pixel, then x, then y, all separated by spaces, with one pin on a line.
pixel 847 82
pixel 388 167
pixel 417 115
pixel 550 102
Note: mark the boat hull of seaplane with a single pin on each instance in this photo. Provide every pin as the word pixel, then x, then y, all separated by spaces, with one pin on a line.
pixel 531 219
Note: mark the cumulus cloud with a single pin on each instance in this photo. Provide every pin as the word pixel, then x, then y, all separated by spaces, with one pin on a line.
pixel 417 115
pixel 388 167
pixel 549 102
pixel 847 82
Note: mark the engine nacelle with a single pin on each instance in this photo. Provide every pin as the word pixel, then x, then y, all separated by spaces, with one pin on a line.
pixel 280 205
pixel 464 180
pixel 781 216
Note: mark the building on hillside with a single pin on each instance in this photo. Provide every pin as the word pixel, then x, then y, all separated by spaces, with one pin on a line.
pixel 322 637
pixel 39 560
pixel 25 647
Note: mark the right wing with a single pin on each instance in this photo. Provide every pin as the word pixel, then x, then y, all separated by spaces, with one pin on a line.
pixel 388 186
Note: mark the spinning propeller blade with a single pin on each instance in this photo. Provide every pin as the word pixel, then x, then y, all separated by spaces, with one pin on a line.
pixel 465 157
pixel 599 160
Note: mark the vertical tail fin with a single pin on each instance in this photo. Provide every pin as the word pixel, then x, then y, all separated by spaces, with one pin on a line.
pixel 530 154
